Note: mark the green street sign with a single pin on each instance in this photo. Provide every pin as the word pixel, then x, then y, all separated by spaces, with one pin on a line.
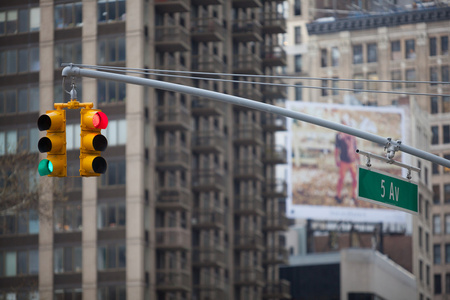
pixel 387 190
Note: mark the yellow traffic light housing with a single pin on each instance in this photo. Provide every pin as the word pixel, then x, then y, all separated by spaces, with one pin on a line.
pixel 54 143
pixel 92 142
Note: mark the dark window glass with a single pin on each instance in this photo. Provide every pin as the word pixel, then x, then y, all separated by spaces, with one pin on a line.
pixel 445 74
pixel 396 75
pixel 433 46
pixel 444 45
pixel 357 54
pixel 434 135
pixel 297 7
pixel 298 63
pixel 437 284
pixel 372 55
pixel 410 49
pixel 323 57
pixel 434 75
pixel 324 88
pixel 446 133
pixel 298 92
pixel 437 254
pixel 434 105
pixel 395 50
pixel 445 104
pixel 436 194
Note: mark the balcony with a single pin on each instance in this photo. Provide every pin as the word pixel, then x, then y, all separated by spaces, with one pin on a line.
pixel 275 188
pixel 248 204
pixel 208 63
pixel 208 180
pixel 273 22
pixel 217 291
pixel 176 198
pixel 206 107
pixel 207 30
pixel 208 218
pixel 271 122
pixel 247 31
pixel 251 169
pixel 173 280
pixel 172 64
pixel 275 155
pixel 249 92
pixel 206 2
pixel 171 6
pixel 173 118
pixel 172 38
pixel 248 275
pixel 173 238
pixel 248 240
pixel 274 92
pixel 247 64
pixel 171 158
pixel 246 3
pixel 277 290
pixel 276 255
pixel 273 56
pixel 208 142
pixel 276 221
pixel 247 134
pixel 208 257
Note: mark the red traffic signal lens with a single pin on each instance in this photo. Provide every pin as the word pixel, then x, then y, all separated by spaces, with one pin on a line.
pixel 100 120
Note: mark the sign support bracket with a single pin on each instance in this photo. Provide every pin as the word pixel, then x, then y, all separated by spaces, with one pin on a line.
pixel 388 159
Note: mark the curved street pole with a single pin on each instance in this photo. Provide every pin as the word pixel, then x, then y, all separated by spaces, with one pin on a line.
pixel 73 71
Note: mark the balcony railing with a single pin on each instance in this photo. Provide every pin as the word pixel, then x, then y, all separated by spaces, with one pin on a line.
pixel 172 157
pixel 201 106
pixel 207 142
pixel 272 122
pixel 208 256
pixel 248 134
pixel 275 155
pixel 273 22
pixel 172 38
pixel 243 275
pixel 273 56
pixel 208 180
pixel 252 93
pixel 174 198
pixel 173 238
pixel 209 63
pixel 211 218
pixel 173 280
pixel 248 169
pixel 246 3
pixel 207 30
pixel 173 118
pixel 248 204
pixel 279 289
pixel 247 64
pixel 276 255
pixel 248 240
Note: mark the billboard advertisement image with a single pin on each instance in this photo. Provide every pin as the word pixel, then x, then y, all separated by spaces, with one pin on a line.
pixel 323 163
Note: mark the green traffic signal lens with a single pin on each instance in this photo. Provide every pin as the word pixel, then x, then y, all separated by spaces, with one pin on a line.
pixel 45 167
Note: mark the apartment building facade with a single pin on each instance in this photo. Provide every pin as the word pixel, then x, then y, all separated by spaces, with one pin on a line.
pixel 190 206
pixel 409 44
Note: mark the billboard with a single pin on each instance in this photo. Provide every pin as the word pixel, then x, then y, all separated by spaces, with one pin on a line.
pixel 322 163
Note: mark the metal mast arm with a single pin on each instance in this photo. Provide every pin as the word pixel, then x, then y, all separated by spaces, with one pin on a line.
pixel 75 71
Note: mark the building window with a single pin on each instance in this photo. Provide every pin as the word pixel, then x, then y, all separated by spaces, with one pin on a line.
pixel 447 253
pixel 68 15
pixel 110 92
pixel 335 85
pixel 436 194
pixel 298 91
pixel 437 284
pixel 324 87
pixel 16 61
pixel 14 263
pixel 298 63
pixel 335 55
pixel 297 8
pixel 19 222
pixel 434 75
pixel 410 75
pixel 433 46
pixel 446 134
pixel 357 54
pixel 116 133
pixel 372 55
pixel 63 294
pixel 420 233
pixel 298 35
pixel 437 224
pixel 19 21
pixel 359 84
pixel 437 254
pixel 19 100
pixel 111 10
pixel 372 84
pixel 112 292
pixel 445 104
pixel 410 49
pixel 444 45
pixel 111 215
pixel 68 52
pixel 111 256
pixel 67 259
pixel 67 217
pixel 323 57
pixel 446 170
pixel 434 135
pixel 396 76
pixel 396 53
pixel 447 193
pixel 115 174
pixel 434 105
pixel 427 242
pixel 111 50
pixel 445 74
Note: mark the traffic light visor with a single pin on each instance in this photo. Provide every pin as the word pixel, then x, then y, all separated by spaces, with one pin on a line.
pixel 53 120
pixel 100 120
pixel 45 167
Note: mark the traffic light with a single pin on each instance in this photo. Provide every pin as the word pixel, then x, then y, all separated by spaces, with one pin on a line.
pixel 54 143
pixel 92 142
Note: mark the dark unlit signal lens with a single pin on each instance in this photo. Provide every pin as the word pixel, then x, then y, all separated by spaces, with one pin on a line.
pixel 44 122
pixel 44 145
pixel 99 165
pixel 100 142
